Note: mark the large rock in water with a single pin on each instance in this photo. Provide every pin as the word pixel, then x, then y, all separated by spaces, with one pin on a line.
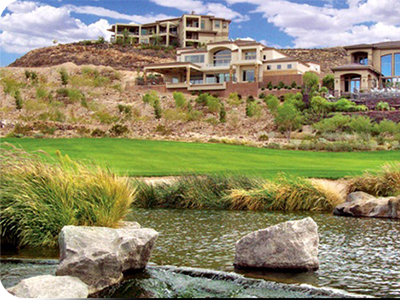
pixel 360 204
pixel 48 286
pixel 100 255
pixel 292 245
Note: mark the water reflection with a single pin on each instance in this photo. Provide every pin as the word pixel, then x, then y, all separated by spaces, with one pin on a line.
pixel 359 255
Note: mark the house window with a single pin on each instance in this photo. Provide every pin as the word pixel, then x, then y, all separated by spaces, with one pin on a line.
pixel 144 32
pixel 222 58
pixel 268 67
pixel 217 24
pixel 175 80
pixel 265 57
pixel 386 65
pixel 397 64
pixel 250 55
pixel 196 59
pixel 225 25
pixel 279 67
pixel 248 75
pixel 203 24
pixel 289 66
pixel 196 79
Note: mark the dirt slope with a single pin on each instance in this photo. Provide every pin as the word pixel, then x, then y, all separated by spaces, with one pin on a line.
pixel 130 58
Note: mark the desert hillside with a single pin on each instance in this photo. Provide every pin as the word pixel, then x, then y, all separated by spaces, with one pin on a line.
pixel 130 58
pixel 115 56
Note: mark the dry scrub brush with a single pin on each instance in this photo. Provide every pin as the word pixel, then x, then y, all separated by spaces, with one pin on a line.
pixel 40 195
pixel 385 182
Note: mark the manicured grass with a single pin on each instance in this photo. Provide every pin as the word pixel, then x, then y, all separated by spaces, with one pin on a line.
pixel 161 158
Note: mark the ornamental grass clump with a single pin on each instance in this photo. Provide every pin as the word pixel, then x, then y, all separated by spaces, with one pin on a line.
pixel 40 195
pixel 193 191
pixel 287 193
pixel 384 183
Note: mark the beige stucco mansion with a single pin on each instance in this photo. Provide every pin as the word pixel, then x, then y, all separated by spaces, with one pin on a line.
pixel 370 66
pixel 188 30
pixel 221 63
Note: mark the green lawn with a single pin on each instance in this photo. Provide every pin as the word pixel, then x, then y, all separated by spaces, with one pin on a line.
pixel 160 158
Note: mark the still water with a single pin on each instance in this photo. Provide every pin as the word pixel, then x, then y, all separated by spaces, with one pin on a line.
pixel 359 255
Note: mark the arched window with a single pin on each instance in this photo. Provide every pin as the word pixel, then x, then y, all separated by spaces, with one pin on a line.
pixel 397 64
pixel 386 65
pixel 222 58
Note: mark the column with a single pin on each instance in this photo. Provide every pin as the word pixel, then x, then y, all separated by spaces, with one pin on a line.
pixel 145 77
pixel 167 36
pixel 256 73
pixel 187 75
pixel 231 74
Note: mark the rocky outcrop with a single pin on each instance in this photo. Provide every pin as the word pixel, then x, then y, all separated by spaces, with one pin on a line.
pixel 48 286
pixel 360 204
pixel 100 255
pixel 292 245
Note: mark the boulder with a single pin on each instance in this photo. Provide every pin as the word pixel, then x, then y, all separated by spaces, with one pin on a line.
pixel 49 286
pixel 360 204
pixel 100 255
pixel 291 245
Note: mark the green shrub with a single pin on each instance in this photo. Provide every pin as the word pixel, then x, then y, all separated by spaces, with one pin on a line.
pixel 234 99
pixel 118 130
pixel 288 118
pixel 11 85
pixel 41 195
pixel 360 124
pixel 104 117
pixel 180 100
pixel 163 130
pixel 263 138
pixel 329 81
pixel 157 109
pixel 125 109
pixel 386 126
pixel 338 123
pixel 382 106
pixel 320 105
pixel 253 109
pixel 194 115
pixel 18 100
pixel 64 76
pixel 98 133
pixel 213 104
pixel 272 103
pixel 150 98
pixel 222 114
pixel 73 95
pixel 41 93
pixel 202 99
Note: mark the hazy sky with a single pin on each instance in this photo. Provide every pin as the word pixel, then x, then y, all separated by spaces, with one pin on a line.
pixel 26 25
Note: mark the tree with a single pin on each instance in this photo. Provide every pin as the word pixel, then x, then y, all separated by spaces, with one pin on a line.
pixel 156 39
pixel 329 82
pixel 125 36
pixel 311 82
pixel 288 118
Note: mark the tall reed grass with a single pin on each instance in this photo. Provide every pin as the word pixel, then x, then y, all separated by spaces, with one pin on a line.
pixel 385 182
pixel 238 192
pixel 40 195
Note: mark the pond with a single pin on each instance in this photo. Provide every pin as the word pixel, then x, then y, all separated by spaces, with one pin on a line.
pixel 357 255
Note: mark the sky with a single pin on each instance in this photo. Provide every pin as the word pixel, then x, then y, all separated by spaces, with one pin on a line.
pixel 27 25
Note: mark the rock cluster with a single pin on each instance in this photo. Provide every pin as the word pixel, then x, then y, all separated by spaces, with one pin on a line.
pixel 360 204
pixel 292 245
pixel 91 259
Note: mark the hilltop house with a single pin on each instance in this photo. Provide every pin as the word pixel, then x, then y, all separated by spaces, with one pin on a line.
pixel 229 66
pixel 370 66
pixel 188 30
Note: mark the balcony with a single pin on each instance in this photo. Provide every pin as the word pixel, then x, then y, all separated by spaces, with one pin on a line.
pixel 176 85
